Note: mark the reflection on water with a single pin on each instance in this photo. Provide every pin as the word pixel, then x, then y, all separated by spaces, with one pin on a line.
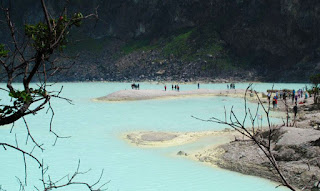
pixel 96 129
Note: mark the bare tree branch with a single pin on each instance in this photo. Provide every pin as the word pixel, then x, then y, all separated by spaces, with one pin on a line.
pixel 28 56
pixel 20 150
pixel 240 127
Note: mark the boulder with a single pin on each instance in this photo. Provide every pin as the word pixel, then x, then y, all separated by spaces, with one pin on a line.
pixel 205 159
pixel 286 154
pixel 160 72
pixel 297 136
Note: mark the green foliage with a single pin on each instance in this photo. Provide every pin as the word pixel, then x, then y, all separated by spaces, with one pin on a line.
pixel 21 96
pixel 77 19
pixel 219 64
pixel 178 45
pixel 198 43
pixel 310 92
pixel 138 45
pixel 3 51
pixel 43 38
pixel 191 44
pixel 39 33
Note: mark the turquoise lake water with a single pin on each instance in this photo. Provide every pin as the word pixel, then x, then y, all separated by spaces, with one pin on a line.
pixel 96 130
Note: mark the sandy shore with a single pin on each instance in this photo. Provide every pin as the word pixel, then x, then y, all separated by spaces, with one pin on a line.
pixel 292 147
pixel 167 139
pixel 131 95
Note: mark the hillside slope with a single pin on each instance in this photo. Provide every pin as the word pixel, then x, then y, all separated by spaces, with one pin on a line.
pixel 268 40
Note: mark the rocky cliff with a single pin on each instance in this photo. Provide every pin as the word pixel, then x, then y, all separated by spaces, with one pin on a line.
pixel 269 40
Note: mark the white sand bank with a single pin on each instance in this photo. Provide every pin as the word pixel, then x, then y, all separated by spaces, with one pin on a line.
pixel 130 95
pixel 167 139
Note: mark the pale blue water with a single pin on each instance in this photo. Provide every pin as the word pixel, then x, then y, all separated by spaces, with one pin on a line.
pixel 96 130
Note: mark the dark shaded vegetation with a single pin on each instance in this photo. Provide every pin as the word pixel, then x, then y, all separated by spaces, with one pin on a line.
pixel 277 40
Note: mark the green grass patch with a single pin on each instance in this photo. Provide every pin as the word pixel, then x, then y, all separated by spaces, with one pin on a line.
pixel 178 45
pixel 220 64
pixel 87 44
pixel 138 45
pixel 197 43
pixel 189 44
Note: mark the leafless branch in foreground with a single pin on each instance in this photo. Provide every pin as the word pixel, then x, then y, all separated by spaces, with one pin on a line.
pixel 68 180
pixel 32 56
pixel 239 125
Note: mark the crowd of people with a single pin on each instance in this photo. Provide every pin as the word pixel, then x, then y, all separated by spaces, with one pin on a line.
pixel 297 97
pixel 135 86
pixel 285 94
pixel 231 86
pixel 288 94
pixel 175 87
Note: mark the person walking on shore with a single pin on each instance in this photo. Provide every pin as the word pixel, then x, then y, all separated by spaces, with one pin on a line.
pixel 178 88
pixel 292 98
pixel 198 85
pixel 165 88
pixel 269 96
pixel 172 87
pixel 295 110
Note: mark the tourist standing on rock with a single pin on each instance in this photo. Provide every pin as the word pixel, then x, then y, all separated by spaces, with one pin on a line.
pixel 165 88
pixel 293 93
pixel 269 96
pixel 198 85
pixel 295 110
pixel 292 98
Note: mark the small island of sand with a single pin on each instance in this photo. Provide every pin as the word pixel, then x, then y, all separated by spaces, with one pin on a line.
pixel 131 95
pixel 166 139
pixel 295 147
